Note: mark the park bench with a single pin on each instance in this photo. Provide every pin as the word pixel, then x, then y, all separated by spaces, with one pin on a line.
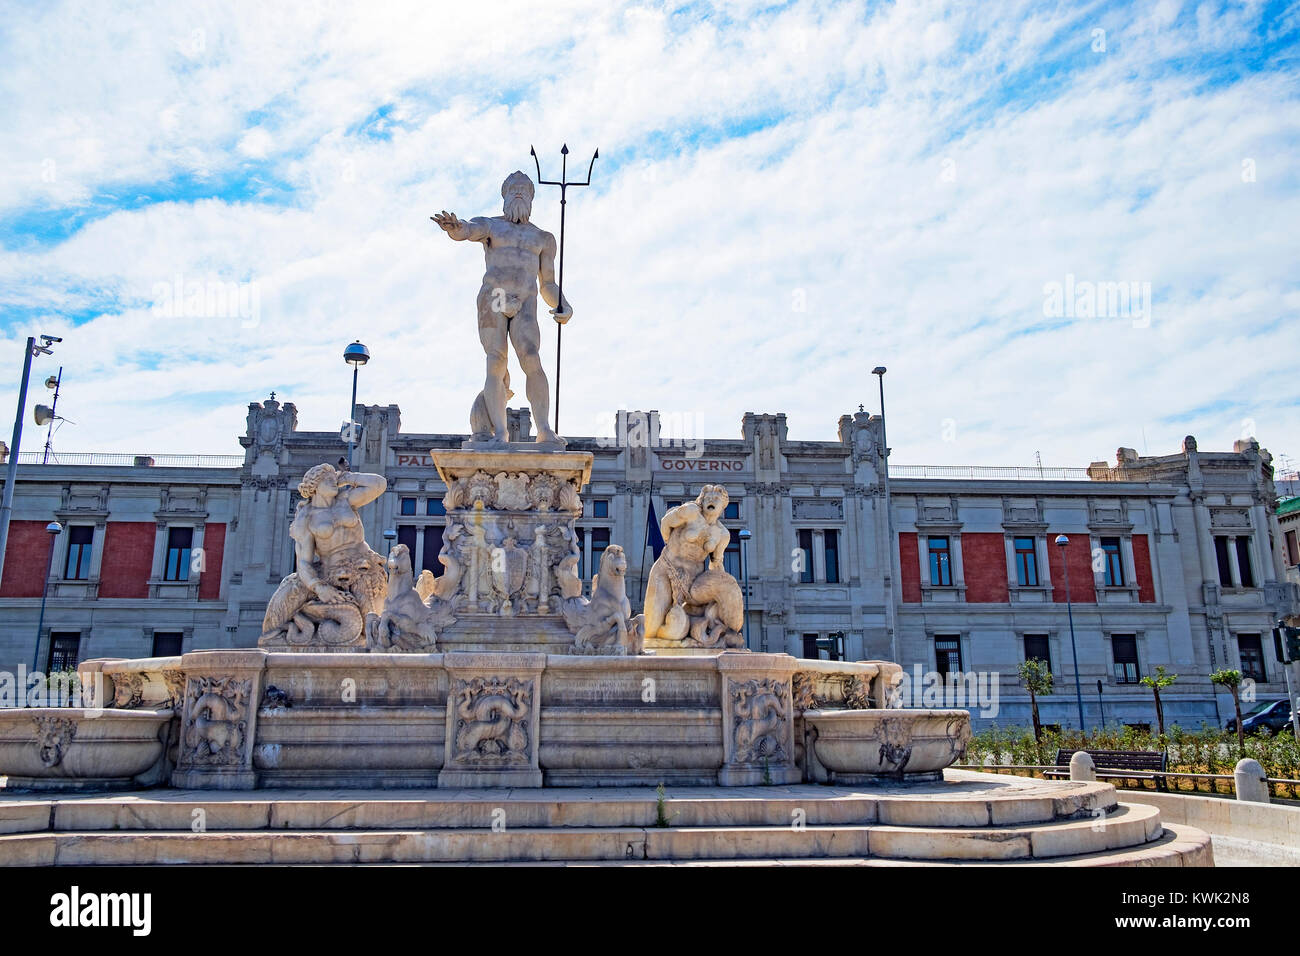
pixel 1119 765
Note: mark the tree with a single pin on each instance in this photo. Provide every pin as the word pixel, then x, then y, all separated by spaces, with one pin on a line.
pixel 1161 679
pixel 1037 680
pixel 1232 680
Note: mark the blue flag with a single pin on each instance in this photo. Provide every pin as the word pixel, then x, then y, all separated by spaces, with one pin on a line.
pixel 653 537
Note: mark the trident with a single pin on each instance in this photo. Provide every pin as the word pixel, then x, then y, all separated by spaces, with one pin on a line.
pixel 564 184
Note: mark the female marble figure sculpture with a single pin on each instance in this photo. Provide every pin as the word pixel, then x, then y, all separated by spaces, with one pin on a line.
pixel 339 580
pixel 519 258
pixel 685 599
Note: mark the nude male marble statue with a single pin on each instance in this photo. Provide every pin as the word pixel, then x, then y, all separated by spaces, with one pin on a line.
pixel 520 260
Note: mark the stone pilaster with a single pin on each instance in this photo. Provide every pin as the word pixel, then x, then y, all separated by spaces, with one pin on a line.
pixel 219 720
pixel 493 709
pixel 757 720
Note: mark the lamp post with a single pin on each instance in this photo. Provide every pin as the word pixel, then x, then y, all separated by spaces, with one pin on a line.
pixel 1061 542
pixel 1101 706
pixel 53 528
pixel 879 372
pixel 355 355
pixel 11 476
pixel 745 535
pixel 390 536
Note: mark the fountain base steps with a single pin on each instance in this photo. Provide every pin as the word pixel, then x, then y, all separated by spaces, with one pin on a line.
pixel 966 818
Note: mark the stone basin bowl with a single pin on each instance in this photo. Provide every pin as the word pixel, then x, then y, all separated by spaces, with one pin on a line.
pixel 862 746
pixel 79 747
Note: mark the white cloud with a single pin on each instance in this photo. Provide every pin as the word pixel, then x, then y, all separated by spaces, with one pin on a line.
pixel 914 175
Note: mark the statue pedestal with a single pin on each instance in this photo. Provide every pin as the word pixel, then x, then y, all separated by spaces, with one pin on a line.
pixel 511 551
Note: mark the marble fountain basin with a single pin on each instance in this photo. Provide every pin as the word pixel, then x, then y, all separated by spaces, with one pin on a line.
pixel 860 746
pixel 79 747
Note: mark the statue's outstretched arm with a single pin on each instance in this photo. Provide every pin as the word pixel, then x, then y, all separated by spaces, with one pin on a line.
pixel 476 230
pixel 546 282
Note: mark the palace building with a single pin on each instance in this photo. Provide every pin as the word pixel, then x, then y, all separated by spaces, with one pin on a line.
pixel 1176 561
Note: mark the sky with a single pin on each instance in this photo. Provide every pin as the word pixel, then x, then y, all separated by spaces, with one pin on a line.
pixel 1063 228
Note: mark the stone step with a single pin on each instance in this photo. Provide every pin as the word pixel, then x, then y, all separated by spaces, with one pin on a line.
pixel 1129 826
pixel 935 806
pixel 1178 845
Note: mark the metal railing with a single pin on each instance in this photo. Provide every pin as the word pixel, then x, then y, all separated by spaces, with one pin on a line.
pixel 990 472
pixel 1177 781
pixel 116 459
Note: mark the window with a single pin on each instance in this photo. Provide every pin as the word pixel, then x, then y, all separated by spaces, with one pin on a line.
pixel 600 508
pixel 947 653
pixel 810 649
pixel 1243 563
pixel 1292 548
pixel 599 542
pixel 434 506
pixel 1224 562
pixel 1251 650
pixel 432 548
pixel 406 536
pixel 408 506
pixel 1026 563
pixel 731 557
pixel 940 562
pixel 1037 649
pixel 806 557
pixel 1125 652
pixel 167 643
pixel 63 652
pixel 582 553
pixel 732 510
pixel 179 543
pixel 832 557
pixel 1114 563
pixel 80 539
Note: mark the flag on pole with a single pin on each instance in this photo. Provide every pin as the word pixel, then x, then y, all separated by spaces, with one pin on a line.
pixel 653 536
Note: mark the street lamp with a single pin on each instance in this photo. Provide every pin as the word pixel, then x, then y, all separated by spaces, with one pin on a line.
pixel 879 372
pixel 390 536
pixel 1061 542
pixel 1101 707
pixel 53 529
pixel 355 355
pixel 745 535
pixel 11 476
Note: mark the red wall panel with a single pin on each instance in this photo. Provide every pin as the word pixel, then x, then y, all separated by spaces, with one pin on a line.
pixel 27 556
pixel 1142 568
pixel 128 559
pixel 909 567
pixel 214 546
pixel 984 567
pixel 1083 587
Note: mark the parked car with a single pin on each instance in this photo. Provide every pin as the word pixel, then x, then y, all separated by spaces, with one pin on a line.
pixel 1272 714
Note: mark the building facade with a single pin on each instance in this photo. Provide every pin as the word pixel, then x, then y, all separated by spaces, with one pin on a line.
pixel 1174 561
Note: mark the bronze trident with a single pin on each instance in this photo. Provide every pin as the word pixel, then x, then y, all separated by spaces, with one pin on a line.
pixel 564 184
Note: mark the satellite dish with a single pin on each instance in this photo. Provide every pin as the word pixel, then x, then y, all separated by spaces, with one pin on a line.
pixel 44 414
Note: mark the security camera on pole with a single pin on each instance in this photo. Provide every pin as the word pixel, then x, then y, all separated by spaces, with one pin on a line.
pixel 11 475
